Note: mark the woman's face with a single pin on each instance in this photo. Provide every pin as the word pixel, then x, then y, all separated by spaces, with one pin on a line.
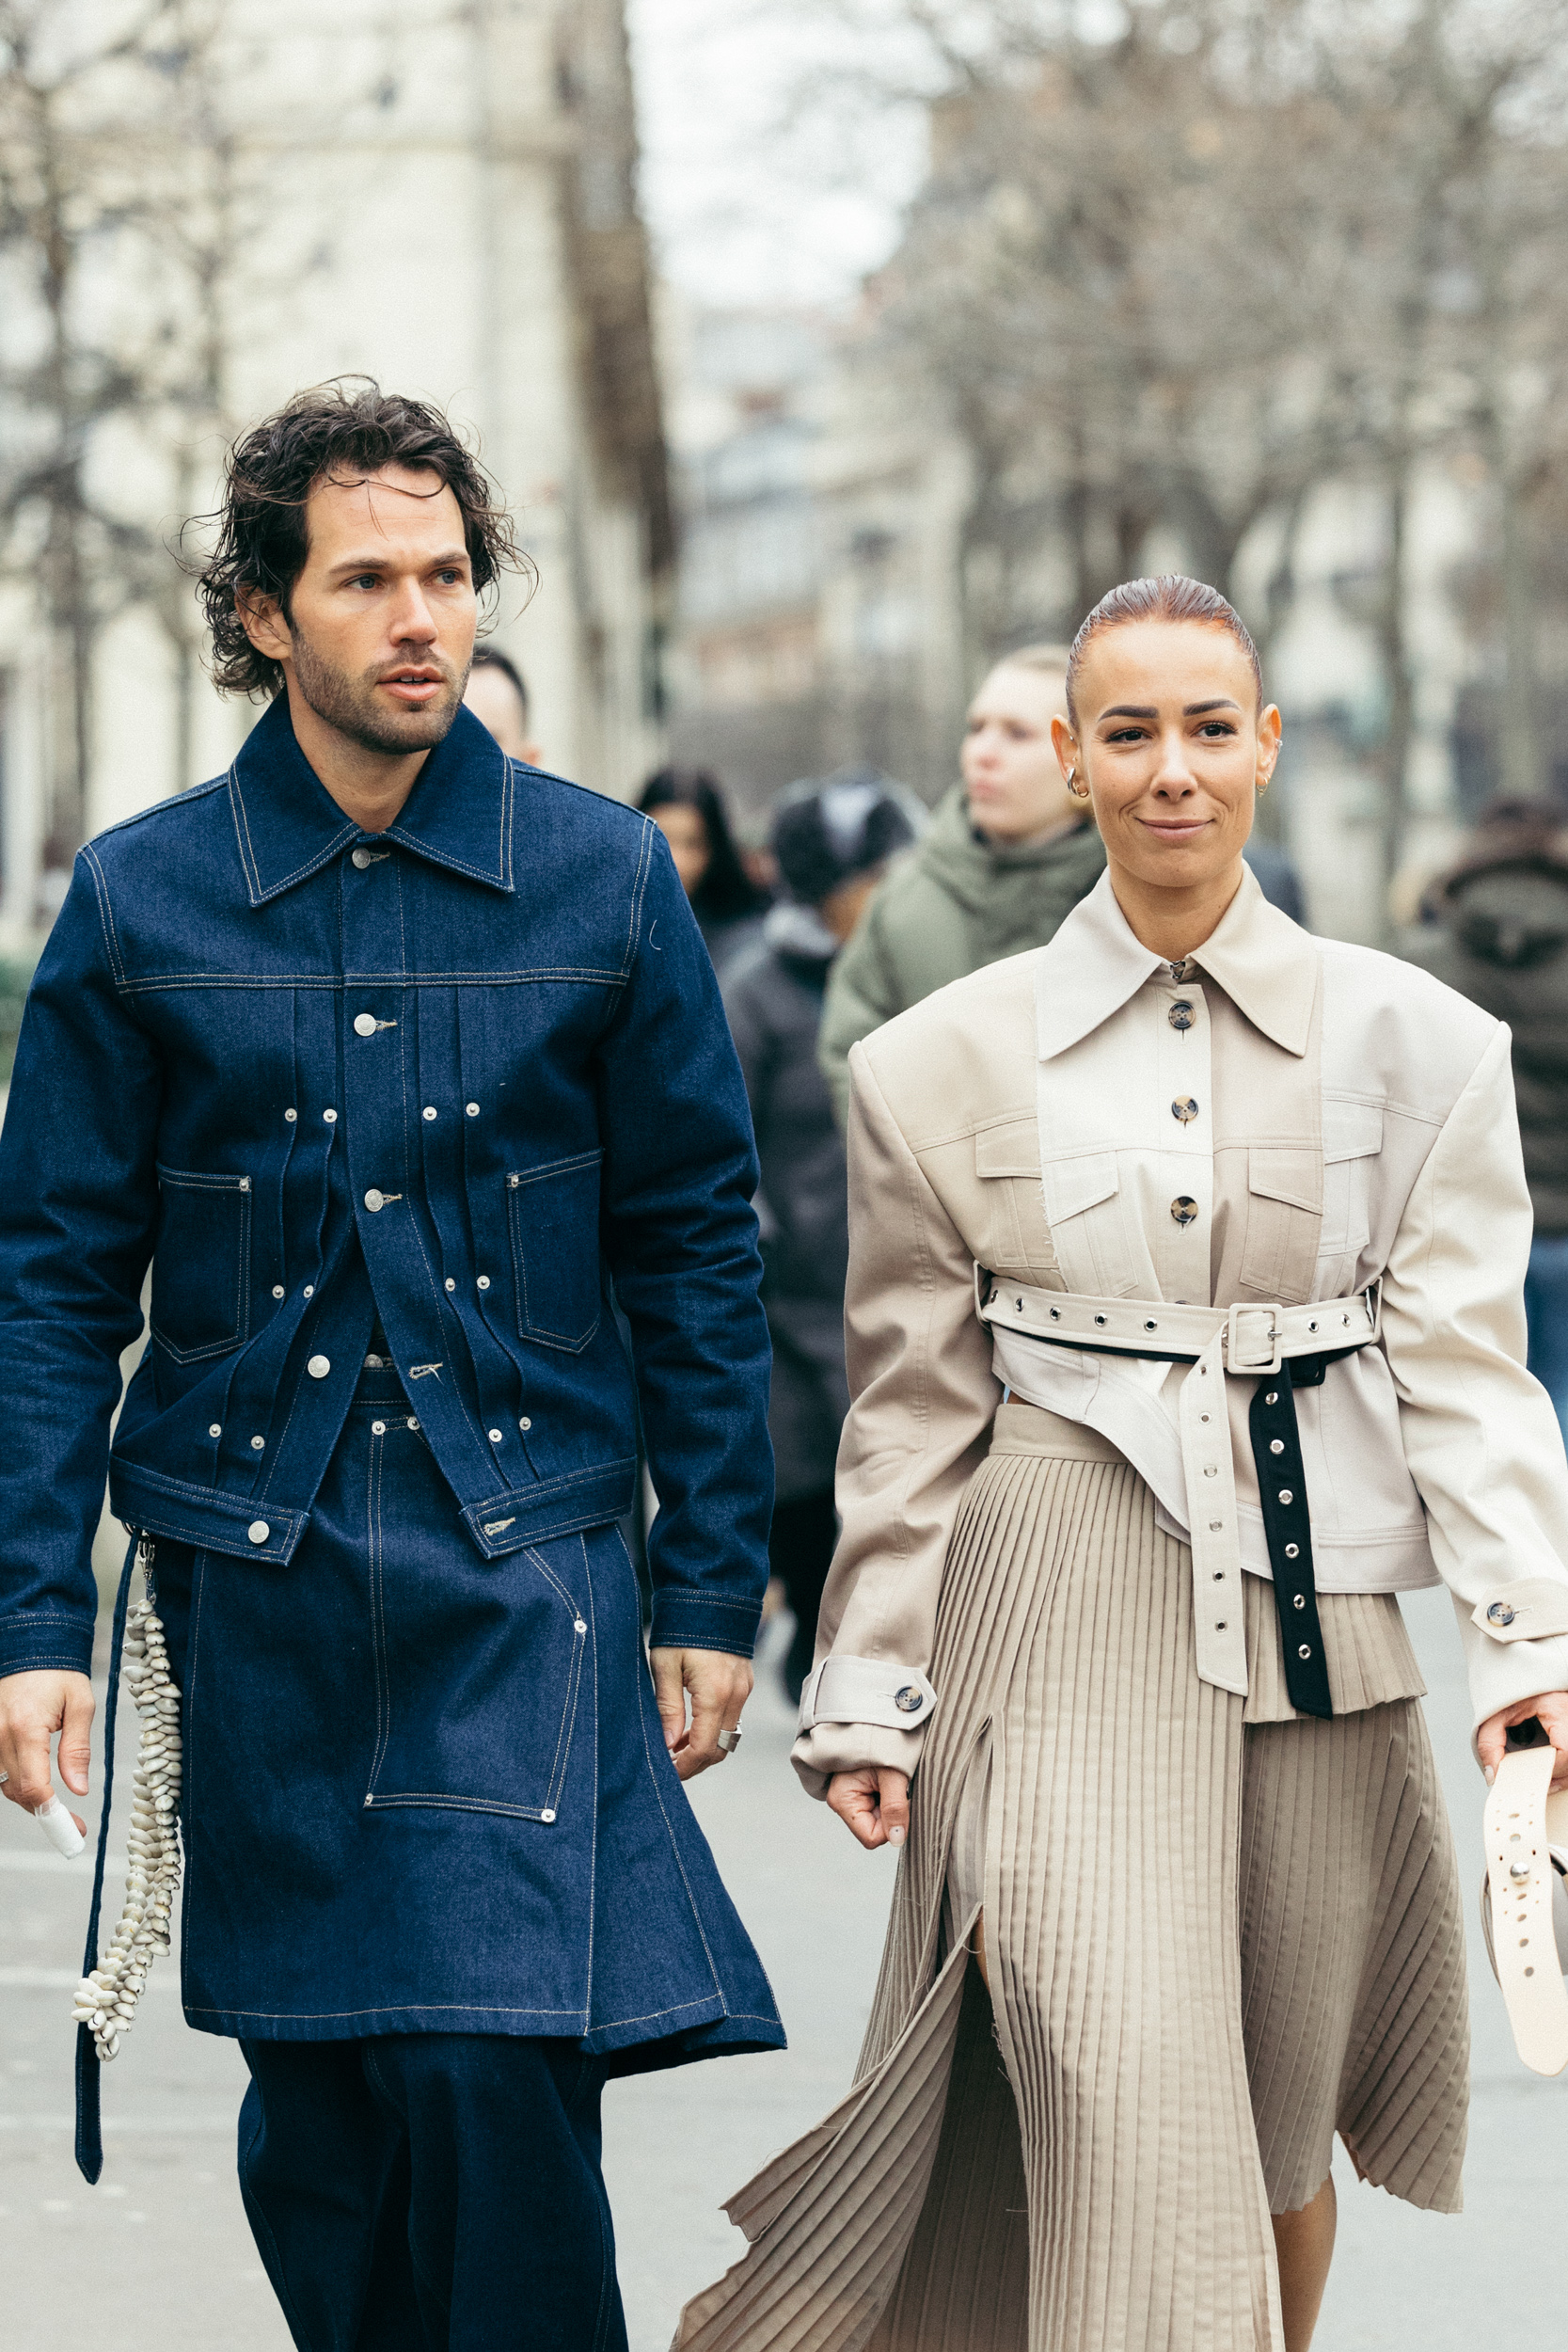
pixel 1173 747
pixel 1008 768
pixel 686 834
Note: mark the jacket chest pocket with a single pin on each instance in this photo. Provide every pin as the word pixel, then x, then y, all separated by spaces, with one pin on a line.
pixel 201 1265
pixel 1284 1214
pixel 1087 1225
pixel 1008 1167
pixel 1353 1137
pixel 552 1216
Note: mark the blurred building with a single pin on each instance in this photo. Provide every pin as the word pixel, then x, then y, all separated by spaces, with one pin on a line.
pixel 444 200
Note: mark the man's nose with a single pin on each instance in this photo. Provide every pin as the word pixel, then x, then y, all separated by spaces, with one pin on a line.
pixel 411 616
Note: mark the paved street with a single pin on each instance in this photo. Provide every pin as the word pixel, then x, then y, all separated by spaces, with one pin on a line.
pixel 159 2255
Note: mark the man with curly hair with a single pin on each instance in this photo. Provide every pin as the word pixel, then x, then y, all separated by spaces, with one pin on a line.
pixel 398 1060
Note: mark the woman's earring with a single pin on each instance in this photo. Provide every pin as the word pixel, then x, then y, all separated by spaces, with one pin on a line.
pixel 1074 788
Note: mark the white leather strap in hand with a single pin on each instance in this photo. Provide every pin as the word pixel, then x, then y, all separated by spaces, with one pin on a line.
pixel 1524 1820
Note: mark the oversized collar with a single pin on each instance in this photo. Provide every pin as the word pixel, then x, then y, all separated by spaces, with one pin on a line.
pixel 288 826
pixel 1267 965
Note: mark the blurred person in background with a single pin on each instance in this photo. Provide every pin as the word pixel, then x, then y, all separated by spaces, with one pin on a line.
pixel 688 806
pixel 498 699
pixel 1496 930
pixel 831 842
pixel 1009 852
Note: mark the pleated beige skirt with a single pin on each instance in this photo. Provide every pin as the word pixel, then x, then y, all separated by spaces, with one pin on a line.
pixel 1210 1943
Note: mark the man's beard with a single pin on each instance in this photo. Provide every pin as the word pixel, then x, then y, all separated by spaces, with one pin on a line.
pixel 349 704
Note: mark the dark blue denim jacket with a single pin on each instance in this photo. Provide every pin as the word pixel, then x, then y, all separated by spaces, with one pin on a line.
pixel 476 1064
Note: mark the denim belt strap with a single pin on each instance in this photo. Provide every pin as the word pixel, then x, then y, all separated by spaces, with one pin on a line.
pixel 1282 1348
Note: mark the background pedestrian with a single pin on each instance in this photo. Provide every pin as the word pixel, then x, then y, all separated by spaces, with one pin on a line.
pixel 688 806
pixel 500 700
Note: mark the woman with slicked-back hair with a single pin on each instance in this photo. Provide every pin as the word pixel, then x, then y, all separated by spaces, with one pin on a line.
pixel 1186 1331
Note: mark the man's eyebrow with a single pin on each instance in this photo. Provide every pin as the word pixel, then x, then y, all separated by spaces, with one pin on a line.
pixel 378 563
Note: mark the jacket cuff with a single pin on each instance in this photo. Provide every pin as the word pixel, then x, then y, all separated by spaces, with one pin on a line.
pixel 1503 1671
pixel 688 1618
pixel 830 1748
pixel 31 1643
pixel 844 1689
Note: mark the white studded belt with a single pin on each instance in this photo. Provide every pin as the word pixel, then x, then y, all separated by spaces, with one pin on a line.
pixel 1524 1903
pixel 1281 1348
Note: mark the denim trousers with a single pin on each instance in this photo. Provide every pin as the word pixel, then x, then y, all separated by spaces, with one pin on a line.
pixel 1547 1313
pixel 432 2193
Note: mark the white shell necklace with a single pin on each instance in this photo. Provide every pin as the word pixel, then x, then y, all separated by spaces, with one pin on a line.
pixel 106 2000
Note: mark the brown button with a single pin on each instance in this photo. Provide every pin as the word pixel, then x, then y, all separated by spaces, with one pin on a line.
pixel 1181 1015
pixel 1183 1108
pixel 1183 1210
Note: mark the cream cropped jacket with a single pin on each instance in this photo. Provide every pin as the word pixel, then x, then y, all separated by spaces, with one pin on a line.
pixel 1294 1119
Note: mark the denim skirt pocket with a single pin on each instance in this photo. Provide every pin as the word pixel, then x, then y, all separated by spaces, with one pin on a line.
pixel 478 1664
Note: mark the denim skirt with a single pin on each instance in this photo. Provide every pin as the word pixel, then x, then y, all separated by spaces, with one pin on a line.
pixel 425 1792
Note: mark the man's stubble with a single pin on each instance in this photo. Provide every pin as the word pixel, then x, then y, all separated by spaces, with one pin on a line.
pixel 349 704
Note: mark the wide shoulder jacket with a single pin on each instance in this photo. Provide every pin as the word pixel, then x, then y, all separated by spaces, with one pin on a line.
pixel 1294 1119
pixel 472 1073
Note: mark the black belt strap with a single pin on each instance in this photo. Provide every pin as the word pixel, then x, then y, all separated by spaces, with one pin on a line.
pixel 1287 1526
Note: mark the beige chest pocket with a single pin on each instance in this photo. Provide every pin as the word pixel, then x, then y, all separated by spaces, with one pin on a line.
pixel 1085 1214
pixel 1007 1165
pixel 1284 1212
pixel 1353 1137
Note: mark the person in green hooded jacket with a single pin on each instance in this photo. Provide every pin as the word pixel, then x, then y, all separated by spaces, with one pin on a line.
pixel 1009 854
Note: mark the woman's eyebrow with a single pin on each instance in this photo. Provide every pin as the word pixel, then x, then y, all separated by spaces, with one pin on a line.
pixel 1130 710
pixel 1221 702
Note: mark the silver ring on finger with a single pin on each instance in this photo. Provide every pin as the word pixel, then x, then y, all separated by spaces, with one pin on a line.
pixel 4 1777
pixel 729 1741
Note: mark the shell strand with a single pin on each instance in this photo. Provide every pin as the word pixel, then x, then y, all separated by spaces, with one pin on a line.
pixel 106 1999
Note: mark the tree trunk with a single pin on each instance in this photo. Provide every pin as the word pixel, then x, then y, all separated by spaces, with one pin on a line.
pixel 1399 690
pixel 1520 731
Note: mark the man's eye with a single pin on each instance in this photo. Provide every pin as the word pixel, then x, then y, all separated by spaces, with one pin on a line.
pixel 364 579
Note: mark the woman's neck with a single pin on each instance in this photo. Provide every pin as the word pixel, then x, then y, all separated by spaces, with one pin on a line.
pixel 1173 924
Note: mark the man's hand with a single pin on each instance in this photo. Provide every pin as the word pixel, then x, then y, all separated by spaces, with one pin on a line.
pixel 873 1803
pixel 720 1687
pixel 1551 1708
pixel 33 1706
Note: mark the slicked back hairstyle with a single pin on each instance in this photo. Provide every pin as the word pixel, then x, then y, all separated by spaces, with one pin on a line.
pixel 1171 596
pixel 341 431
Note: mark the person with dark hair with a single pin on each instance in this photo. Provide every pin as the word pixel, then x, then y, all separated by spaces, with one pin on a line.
pixel 1186 1331
pixel 498 699
pixel 1498 932
pixel 832 842
pixel 340 1044
pixel 688 806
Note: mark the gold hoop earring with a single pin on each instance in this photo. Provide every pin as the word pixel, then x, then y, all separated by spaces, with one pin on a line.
pixel 1074 788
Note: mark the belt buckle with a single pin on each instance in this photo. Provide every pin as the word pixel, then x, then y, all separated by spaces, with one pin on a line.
pixel 1234 1345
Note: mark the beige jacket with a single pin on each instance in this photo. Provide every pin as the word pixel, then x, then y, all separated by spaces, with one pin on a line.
pixel 1354 1119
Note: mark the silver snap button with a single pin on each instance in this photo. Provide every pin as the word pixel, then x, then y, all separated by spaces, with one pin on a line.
pixel 546 1814
pixel 277 1289
pixel 309 1289
pixel 364 1024
pixel 1184 1210
pixel 257 1445
pixel 374 1200
pixel 378 1429
pixel 290 1117
pixel 214 1429
pixel 430 1110
pixel 579 1625
pixel 412 1423
pixel 483 1283
pixel 318 1367
pixel 494 1436
pixel 472 1109
pixel 450 1284
pixel 525 1425
pixel 331 1116
pixel 360 858
pixel 259 1531
pixel 244 1183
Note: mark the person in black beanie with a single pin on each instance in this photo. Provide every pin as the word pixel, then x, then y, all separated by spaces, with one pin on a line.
pixel 832 841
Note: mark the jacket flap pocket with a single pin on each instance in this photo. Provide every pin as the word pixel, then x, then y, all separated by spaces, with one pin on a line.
pixel 1287 1172
pixel 1352 1131
pixel 1012 1150
pixel 1073 1185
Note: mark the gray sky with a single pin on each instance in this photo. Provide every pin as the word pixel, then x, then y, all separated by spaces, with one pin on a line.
pixel 747 202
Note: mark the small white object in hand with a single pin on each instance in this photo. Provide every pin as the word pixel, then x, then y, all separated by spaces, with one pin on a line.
pixel 58 1827
pixel 106 1999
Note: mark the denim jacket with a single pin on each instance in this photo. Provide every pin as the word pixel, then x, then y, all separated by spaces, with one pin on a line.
pixel 471 1073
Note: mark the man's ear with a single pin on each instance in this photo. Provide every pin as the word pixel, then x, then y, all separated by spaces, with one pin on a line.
pixel 261 618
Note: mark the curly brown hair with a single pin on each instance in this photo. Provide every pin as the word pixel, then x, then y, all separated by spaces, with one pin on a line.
pixel 261 542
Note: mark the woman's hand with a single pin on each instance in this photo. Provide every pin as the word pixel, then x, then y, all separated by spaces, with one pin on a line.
pixel 874 1804
pixel 1551 1708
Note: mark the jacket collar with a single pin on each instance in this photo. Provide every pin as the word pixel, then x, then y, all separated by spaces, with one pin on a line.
pixel 1266 964
pixel 288 826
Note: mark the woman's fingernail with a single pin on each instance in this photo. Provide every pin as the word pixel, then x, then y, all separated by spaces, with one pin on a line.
pixel 1488 1776
pixel 896 1837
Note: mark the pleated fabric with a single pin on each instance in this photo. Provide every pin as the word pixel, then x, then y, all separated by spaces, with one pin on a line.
pixel 1210 1944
